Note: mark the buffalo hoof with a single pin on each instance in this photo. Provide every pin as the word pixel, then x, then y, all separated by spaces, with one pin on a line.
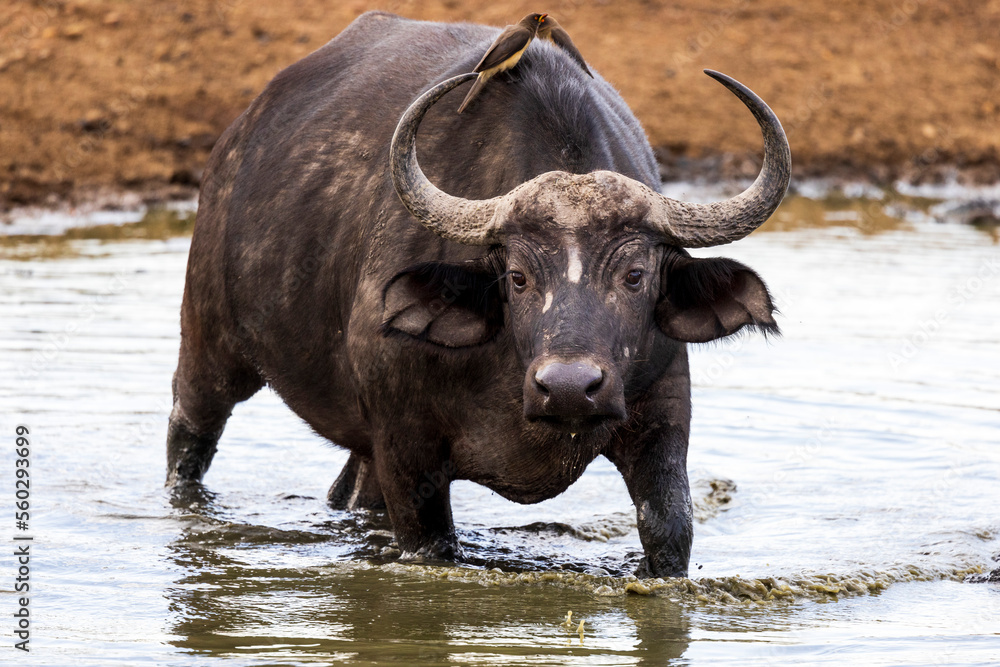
pixel 436 554
pixel 663 571
pixel 190 496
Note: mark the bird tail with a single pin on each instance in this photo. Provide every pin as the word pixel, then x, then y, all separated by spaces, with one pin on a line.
pixel 477 85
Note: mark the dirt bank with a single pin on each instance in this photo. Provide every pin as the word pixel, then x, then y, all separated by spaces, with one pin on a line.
pixel 101 94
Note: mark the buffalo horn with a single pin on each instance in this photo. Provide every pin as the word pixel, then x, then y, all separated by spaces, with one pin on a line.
pixel 704 225
pixel 468 221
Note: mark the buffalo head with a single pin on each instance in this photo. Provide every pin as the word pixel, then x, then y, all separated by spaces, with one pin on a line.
pixel 588 272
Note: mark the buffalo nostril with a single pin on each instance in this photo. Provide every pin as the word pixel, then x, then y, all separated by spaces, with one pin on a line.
pixel 595 384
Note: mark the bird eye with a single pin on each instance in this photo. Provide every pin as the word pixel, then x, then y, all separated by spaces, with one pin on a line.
pixel 633 278
pixel 518 279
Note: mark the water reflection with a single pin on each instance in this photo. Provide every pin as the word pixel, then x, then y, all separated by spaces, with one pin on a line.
pixel 869 216
pixel 156 224
pixel 227 604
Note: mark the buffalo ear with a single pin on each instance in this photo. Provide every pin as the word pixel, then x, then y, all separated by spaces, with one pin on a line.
pixel 453 305
pixel 707 299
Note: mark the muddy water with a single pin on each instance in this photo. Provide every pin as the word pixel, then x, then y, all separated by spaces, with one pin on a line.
pixel 847 478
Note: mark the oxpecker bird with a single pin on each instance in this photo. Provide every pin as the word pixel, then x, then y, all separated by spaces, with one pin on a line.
pixel 550 29
pixel 504 52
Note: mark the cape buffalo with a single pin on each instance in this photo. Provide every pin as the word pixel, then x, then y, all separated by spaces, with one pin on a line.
pixel 507 332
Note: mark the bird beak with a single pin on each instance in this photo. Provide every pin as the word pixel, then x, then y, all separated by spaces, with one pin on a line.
pixel 541 19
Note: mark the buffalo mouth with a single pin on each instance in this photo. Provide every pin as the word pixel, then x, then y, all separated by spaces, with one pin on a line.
pixel 575 425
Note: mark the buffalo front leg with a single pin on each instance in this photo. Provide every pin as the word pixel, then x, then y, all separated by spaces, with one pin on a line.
pixel 415 480
pixel 654 467
pixel 204 396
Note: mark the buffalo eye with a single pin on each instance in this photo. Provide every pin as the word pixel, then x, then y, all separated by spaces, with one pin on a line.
pixel 518 280
pixel 633 278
